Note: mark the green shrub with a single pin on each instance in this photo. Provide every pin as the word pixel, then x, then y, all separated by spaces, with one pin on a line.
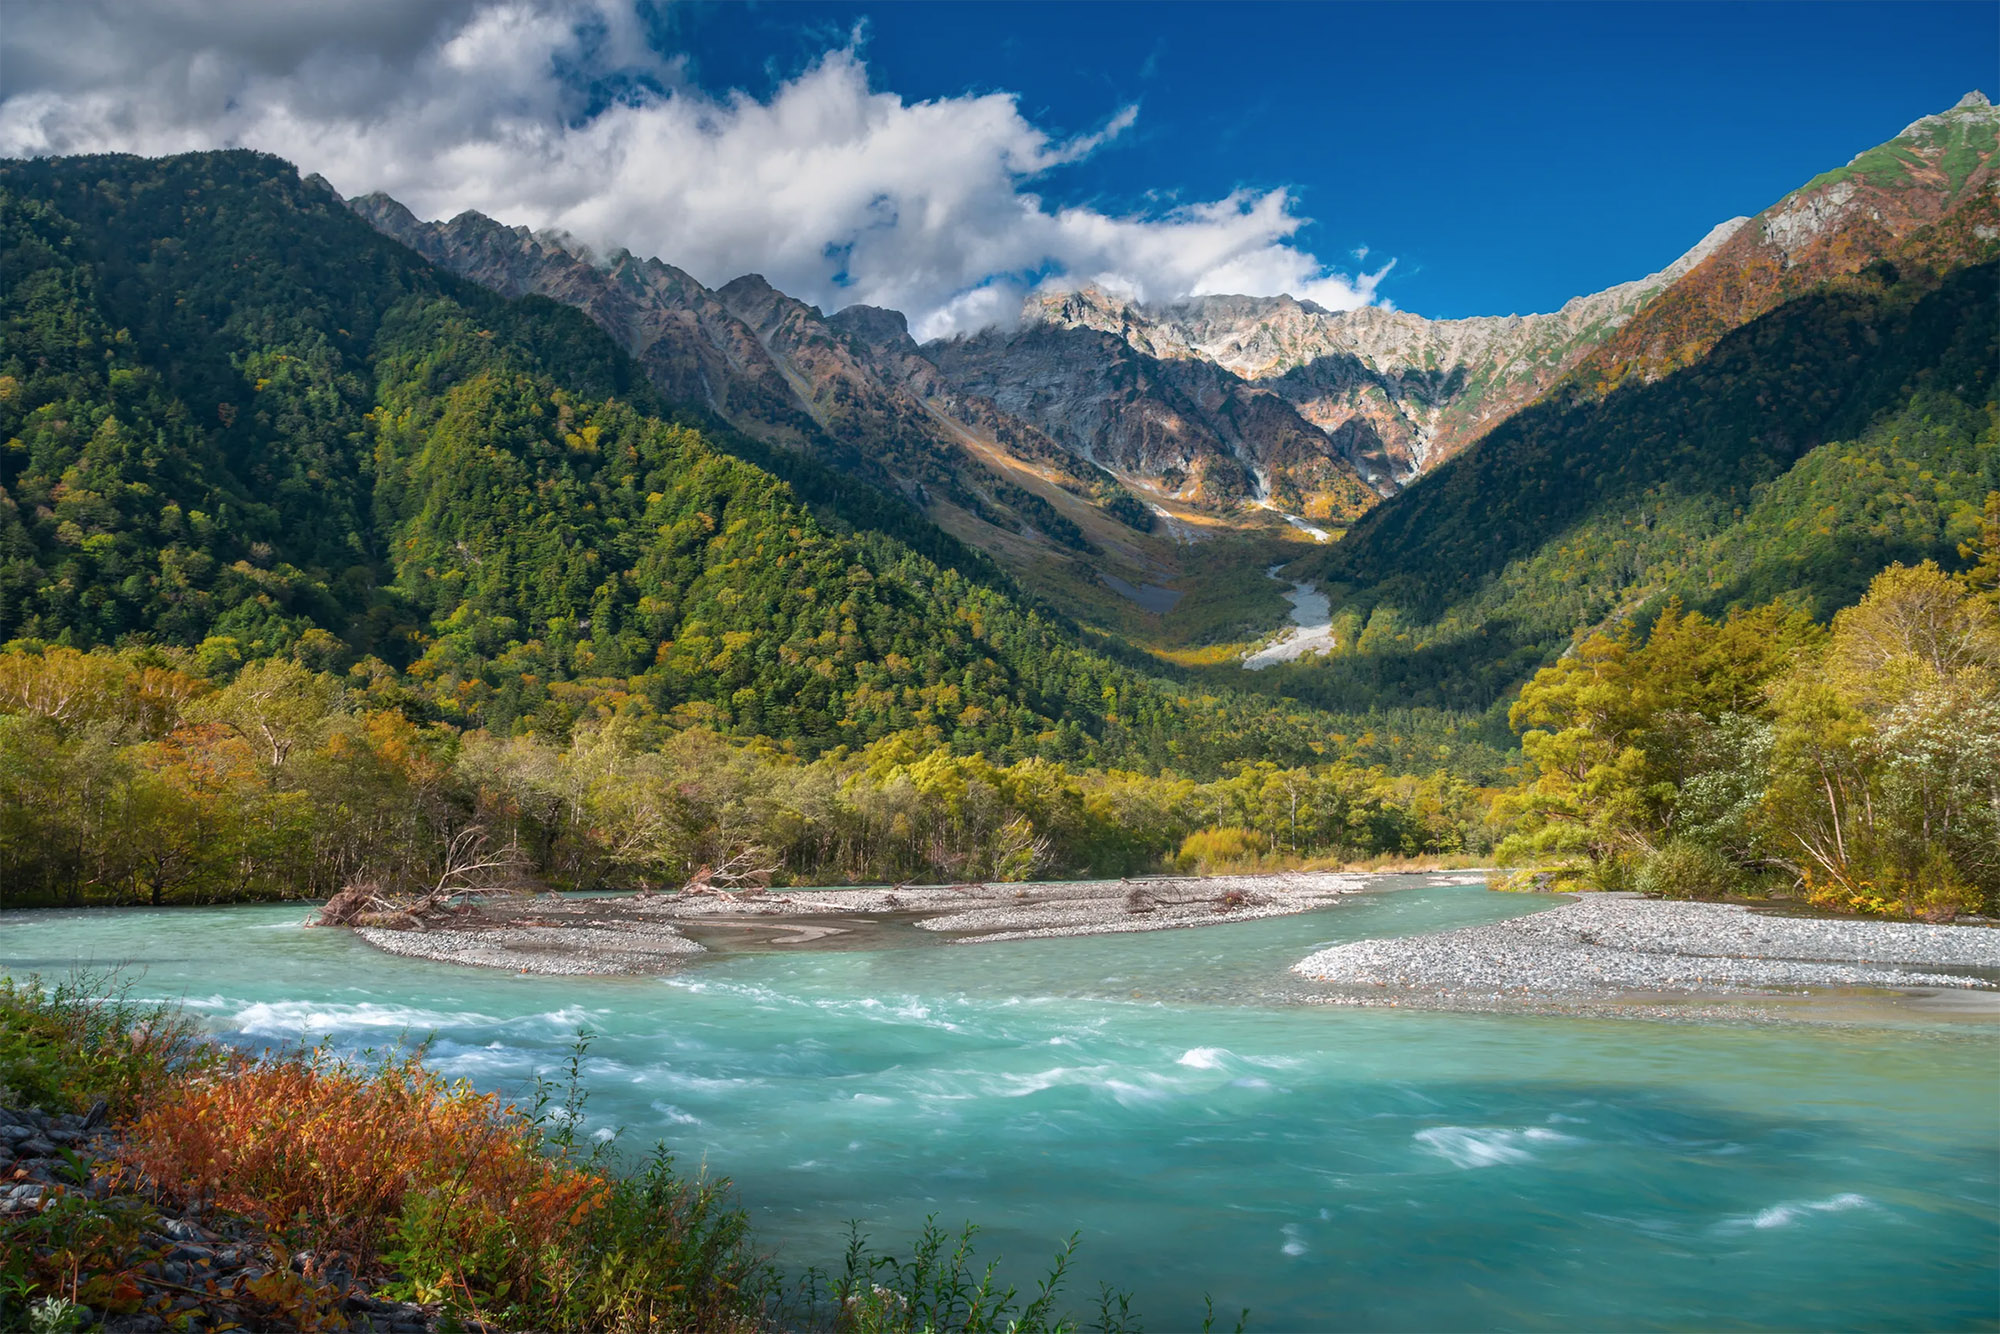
pixel 1683 869
pixel 63 1047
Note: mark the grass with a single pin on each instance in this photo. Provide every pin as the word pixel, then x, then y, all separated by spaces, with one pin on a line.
pixel 65 1047
pixel 425 1190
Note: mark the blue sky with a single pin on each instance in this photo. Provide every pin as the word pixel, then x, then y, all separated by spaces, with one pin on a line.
pixel 949 159
pixel 1507 156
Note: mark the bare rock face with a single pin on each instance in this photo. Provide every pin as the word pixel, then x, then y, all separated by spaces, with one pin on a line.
pixel 1186 391
pixel 693 348
pixel 1185 426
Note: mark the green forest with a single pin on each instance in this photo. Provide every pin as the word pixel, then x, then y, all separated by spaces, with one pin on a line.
pixel 239 422
pixel 1859 763
pixel 320 567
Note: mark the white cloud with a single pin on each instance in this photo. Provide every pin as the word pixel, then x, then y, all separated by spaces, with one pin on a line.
pixel 836 193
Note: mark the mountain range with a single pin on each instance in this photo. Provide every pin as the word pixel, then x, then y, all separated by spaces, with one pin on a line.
pixel 1082 446
pixel 238 410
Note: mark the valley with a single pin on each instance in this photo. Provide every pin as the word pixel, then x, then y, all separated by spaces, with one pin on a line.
pixel 1575 735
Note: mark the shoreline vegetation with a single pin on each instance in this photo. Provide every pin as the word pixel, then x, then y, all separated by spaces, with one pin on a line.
pixel 155 1180
pixel 1855 767
pixel 148 775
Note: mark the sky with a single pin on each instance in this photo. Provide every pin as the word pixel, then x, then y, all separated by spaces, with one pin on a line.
pixel 947 159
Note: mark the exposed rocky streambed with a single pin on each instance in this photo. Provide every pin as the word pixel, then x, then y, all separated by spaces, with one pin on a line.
pixel 635 935
pixel 1311 630
pixel 185 1273
pixel 1610 945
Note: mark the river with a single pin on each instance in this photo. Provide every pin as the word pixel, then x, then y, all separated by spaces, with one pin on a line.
pixel 1168 1096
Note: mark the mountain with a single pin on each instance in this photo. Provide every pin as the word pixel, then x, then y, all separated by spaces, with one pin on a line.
pixel 1057 448
pixel 1223 398
pixel 851 391
pixel 1183 429
pixel 1837 223
pixel 238 421
pixel 240 414
pixel 1053 446
pixel 1812 401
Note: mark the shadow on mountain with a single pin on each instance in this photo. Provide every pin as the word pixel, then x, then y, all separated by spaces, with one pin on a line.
pixel 1817 369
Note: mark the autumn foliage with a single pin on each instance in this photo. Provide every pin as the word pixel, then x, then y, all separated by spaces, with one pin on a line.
pixel 338 1152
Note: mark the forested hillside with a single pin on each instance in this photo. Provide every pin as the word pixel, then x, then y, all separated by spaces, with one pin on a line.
pixel 239 422
pixel 1848 428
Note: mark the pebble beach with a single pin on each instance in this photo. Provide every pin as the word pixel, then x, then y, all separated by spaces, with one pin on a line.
pixel 1611 944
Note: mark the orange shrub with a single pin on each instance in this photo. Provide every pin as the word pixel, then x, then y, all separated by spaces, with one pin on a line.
pixel 335 1156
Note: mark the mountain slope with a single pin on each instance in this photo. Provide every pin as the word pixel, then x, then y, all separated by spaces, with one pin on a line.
pixel 782 374
pixel 235 418
pixel 1844 428
pixel 1837 223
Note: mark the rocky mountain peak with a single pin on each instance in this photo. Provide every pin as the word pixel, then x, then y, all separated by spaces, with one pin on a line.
pixel 1837 223
pixel 1081 308
pixel 874 326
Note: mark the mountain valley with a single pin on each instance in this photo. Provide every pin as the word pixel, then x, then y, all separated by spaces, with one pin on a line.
pixel 1102 448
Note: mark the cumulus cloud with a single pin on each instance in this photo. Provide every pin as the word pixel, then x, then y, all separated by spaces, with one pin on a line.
pixel 558 114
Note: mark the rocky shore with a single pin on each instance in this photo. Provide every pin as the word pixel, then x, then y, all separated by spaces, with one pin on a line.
pixel 637 936
pixel 1606 946
pixel 181 1273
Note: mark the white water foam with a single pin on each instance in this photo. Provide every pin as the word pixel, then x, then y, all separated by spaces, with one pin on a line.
pixel 1204 1058
pixel 1134 1095
pixel 675 1115
pixel 1465 1146
pixel 1021 1085
pixel 311 1018
pixel 477 1062
pixel 1294 1239
pixel 1784 1215
pixel 566 1020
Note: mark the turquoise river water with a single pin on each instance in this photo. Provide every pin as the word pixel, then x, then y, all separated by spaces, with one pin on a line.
pixel 1169 1097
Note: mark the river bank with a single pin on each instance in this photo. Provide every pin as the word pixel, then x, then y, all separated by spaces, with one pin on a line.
pixel 1617 948
pixel 1378 1168
pixel 630 935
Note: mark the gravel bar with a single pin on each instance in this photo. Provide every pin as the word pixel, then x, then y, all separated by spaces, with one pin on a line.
pixel 627 950
pixel 634 935
pixel 1601 944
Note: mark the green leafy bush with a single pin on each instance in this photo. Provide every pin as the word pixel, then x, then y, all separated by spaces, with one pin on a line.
pixel 1684 869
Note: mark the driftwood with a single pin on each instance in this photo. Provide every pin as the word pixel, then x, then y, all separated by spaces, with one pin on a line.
pixel 1151 895
pixel 740 876
pixel 469 869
